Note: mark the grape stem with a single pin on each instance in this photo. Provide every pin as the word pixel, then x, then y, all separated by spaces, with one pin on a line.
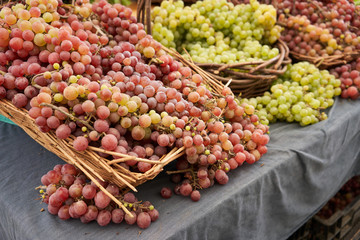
pixel 98 29
pixel 167 130
pixel 2 72
pixel 319 8
pixel 179 171
pixel 155 60
pixel 40 74
pixel 188 170
pixel 215 94
pixel 134 204
pixel 37 86
pixel 69 7
pixel 221 67
pixel 195 183
pixel 73 118
pixel 293 6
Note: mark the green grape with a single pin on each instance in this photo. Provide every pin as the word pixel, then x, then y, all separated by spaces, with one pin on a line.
pixel 173 24
pixel 208 7
pixel 306 120
pixel 330 102
pixel 337 91
pixel 266 99
pixel 273 111
pixel 288 101
pixel 163 13
pixel 282 108
pixel 281 99
pixel 308 97
pixel 220 23
pixel 296 109
pixel 277 93
pixel 164 42
pixel 170 38
pixel 273 103
pixel 314 103
pixel 324 105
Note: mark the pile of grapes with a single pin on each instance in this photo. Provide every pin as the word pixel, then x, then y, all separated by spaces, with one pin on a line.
pixel 215 31
pixel 349 75
pixel 70 194
pixel 92 72
pixel 299 95
pixel 320 28
pixel 345 196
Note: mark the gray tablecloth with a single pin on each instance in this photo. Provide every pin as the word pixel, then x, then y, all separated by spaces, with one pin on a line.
pixel 304 167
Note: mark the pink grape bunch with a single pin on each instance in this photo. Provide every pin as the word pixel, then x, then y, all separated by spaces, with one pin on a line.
pixel 320 28
pixel 349 74
pixel 212 152
pixel 70 194
pixel 104 81
pixel 193 133
pixel 35 40
pixel 131 101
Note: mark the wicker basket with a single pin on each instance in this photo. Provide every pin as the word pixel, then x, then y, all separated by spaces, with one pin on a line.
pixel 329 61
pixel 247 78
pixel 89 162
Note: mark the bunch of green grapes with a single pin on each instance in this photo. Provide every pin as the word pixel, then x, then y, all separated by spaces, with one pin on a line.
pixel 299 95
pixel 215 31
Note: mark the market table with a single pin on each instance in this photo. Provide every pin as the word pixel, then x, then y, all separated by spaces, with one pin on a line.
pixel 303 168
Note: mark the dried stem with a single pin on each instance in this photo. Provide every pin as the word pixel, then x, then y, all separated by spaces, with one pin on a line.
pixel 124 156
pixel 98 29
pixel 41 74
pixel 119 160
pixel 179 171
pixel 73 118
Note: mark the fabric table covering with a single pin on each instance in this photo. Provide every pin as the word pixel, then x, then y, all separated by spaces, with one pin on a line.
pixel 304 167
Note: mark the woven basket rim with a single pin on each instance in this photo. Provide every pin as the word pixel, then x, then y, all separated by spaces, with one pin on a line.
pixel 328 61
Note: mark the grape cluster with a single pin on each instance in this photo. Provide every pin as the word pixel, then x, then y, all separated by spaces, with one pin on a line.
pixel 217 31
pixel 320 28
pixel 299 95
pixel 36 41
pixel 215 148
pixel 104 82
pixel 226 147
pixel 70 194
pixel 349 75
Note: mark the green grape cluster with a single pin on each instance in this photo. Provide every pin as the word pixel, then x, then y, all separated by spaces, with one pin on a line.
pixel 216 31
pixel 299 95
